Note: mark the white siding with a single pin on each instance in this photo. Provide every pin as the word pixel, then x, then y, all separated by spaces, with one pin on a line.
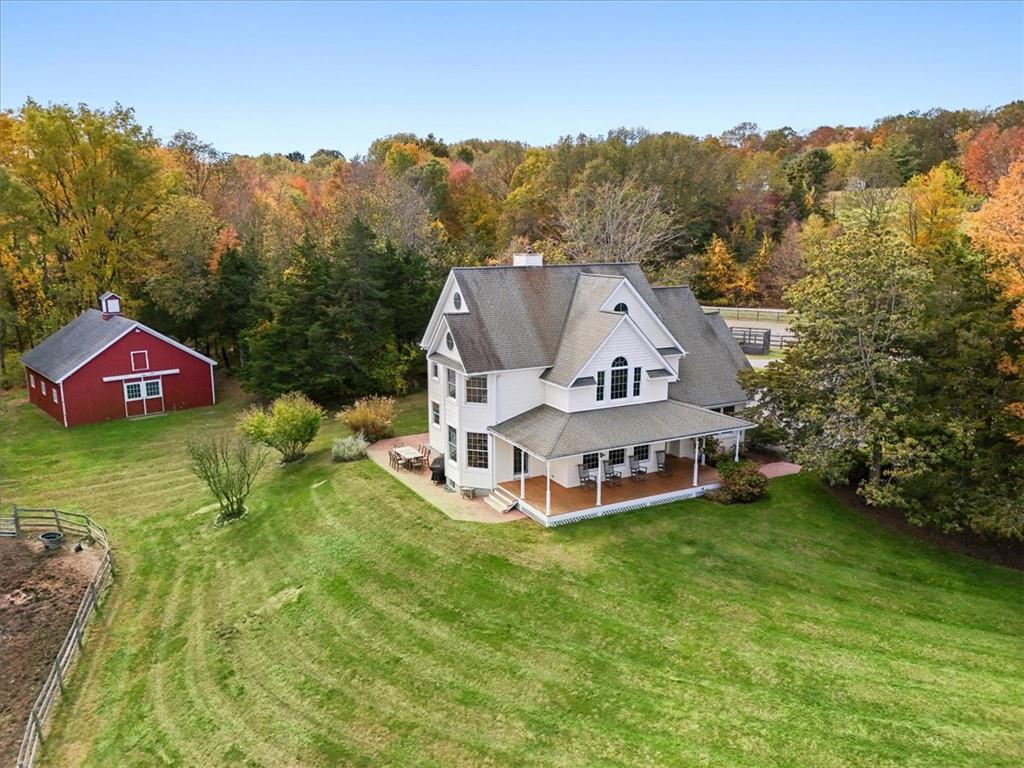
pixel 641 314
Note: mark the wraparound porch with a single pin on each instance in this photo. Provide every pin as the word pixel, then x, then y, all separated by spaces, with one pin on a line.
pixel 568 504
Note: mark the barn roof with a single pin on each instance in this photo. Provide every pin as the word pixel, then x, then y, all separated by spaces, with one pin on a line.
pixel 78 342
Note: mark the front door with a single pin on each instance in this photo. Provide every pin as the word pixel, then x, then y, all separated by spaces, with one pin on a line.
pixel 134 402
pixel 520 463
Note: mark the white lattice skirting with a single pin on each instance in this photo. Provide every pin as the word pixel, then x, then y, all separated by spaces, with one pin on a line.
pixel 613 509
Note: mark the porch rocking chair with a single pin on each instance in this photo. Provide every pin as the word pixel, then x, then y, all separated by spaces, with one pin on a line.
pixel 586 479
pixel 610 475
pixel 662 465
pixel 636 472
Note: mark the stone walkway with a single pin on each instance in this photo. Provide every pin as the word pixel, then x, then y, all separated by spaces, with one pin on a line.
pixel 452 504
pixel 779 469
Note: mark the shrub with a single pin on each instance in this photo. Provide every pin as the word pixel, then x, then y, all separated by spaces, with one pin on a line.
pixel 741 482
pixel 288 425
pixel 715 452
pixel 372 417
pixel 229 467
pixel 766 434
pixel 349 448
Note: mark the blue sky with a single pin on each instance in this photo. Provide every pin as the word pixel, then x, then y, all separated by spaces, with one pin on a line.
pixel 267 77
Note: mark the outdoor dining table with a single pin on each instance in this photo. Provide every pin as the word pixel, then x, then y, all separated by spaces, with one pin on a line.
pixel 408 453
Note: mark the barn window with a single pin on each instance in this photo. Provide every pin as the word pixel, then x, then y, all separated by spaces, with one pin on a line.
pixel 140 361
pixel 55 395
pixel 32 380
pixel 154 388
pixel 42 386
pixel 620 378
pixel 622 307
pixel 133 390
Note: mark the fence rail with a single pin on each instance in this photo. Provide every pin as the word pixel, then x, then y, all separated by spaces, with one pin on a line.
pixel 761 341
pixel 20 520
pixel 753 313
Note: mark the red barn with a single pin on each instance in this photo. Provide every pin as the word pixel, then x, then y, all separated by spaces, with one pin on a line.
pixel 103 366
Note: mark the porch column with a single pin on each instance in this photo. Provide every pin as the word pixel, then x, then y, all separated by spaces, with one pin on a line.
pixel 600 474
pixel 736 453
pixel 547 496
pixel 696 459
pixel 522 476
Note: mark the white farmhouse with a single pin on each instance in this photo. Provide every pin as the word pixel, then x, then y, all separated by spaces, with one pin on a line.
pixel 574 391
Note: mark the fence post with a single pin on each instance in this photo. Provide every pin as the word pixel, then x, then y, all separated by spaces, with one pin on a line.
pixel 17 526
pixel 56 521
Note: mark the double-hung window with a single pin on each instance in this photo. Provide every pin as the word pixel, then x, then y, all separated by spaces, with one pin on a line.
pixel 618 456
pixel 476 389
pixel 590 460
pixel 435 413
pixel 453 445
pixel 636 382
pixel 641 452
pixel 451 383
pixel 600 385
pixel 620 378
pixel 476 450
pixel 433 371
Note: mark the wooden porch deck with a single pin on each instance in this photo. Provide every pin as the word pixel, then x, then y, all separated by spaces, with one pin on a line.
pixel 565 500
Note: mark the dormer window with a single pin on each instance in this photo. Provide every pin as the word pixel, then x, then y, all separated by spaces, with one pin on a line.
pixel 457 300
pixel 622 307
pixel 449 341
pixel 619 378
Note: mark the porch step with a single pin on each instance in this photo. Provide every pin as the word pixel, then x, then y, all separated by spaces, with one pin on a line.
pixel 500 500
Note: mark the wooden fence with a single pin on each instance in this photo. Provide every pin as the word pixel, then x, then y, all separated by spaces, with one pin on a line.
pixel 753 313
pixel 761 341
pixel 18 521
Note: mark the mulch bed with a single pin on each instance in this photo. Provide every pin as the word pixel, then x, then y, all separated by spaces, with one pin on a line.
pixel 1006 554
pixel 39 595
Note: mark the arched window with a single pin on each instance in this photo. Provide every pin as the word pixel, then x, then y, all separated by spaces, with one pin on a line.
pixel 620 378
pixel 622 307
pixel 457 300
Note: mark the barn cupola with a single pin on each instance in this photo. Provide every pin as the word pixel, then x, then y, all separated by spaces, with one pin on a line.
pixel 110 305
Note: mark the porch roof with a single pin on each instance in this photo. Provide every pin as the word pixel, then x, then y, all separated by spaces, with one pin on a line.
pixel 549 433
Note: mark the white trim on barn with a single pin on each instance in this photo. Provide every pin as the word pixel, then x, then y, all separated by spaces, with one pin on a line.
pixel 63 406
pixel 143 374
pixel 145 329
pixel 145 359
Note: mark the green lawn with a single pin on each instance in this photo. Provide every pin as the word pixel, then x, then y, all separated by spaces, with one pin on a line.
pixel 346 621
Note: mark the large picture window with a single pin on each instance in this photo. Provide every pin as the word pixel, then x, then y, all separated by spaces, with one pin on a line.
pixel 476 389
pixel 636 382
pixel 600 385
pixel 476 450
pixel 620 378
pixel 453 445
pixel 451 383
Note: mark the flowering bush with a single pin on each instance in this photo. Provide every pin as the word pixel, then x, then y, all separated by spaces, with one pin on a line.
pixel 371 417
pixel 741 482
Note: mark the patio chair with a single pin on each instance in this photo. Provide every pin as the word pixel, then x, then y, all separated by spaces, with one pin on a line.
pixel 662 465
pixel 610 475
pixel 586 479
pixel 636 471
pixel 393 459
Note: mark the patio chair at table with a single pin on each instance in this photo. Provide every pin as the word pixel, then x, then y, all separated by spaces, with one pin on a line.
pixel 586 479
pixel 636 471
pixel 662 465
pixel 610 475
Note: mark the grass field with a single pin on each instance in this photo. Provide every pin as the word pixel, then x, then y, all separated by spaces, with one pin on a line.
pixel 346 622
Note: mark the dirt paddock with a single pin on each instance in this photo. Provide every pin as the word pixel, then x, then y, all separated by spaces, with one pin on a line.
pixel 39 594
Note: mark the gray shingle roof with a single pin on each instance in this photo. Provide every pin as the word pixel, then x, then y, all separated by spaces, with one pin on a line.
pixel 446 361
pixel 550 434
pixel 585 328
pixel 707 375
pixel 516 314
pixel 78 341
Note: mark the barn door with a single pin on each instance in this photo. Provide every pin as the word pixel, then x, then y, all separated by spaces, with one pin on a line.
pixel 153 390
pixel 134 402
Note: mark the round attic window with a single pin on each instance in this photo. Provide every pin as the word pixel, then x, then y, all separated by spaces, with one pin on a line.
pixel 457 300
pixel 449 341
pixel 621 307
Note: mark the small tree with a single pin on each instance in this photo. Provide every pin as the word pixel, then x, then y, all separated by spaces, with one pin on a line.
pixel 372 417
pixel 288 425
pixel 229 467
